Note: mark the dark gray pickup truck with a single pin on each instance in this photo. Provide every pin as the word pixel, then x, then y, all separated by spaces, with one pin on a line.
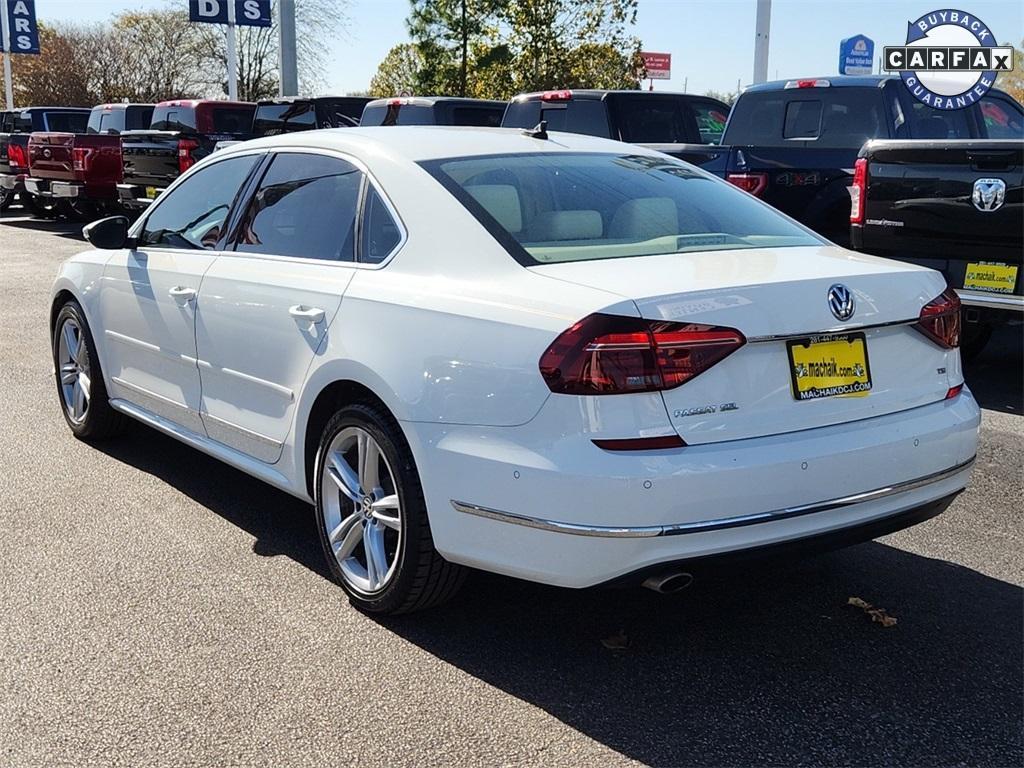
pixel 955 206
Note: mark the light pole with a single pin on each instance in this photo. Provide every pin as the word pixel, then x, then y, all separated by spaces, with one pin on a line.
pixel 289 64
pixel 764 22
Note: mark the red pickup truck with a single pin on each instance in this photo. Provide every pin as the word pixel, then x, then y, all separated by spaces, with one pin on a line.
pixel 80 171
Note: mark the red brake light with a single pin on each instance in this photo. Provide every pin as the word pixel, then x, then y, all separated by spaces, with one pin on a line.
pixel 185 158
pixel 808 84
pixel 954 392
pixel 940 319
pixel 16 156
pixel 80 158
pixel 563 95
pixel 754 183
pixel 859 190
pixel 612 355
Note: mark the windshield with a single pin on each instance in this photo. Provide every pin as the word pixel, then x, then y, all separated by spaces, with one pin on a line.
pixel 555 207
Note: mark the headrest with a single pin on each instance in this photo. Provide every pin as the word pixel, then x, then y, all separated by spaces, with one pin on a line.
pixel 566 225
pixel 645 218
pixel 502 202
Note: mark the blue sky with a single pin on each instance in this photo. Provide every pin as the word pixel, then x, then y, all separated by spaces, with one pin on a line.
pixel 711 42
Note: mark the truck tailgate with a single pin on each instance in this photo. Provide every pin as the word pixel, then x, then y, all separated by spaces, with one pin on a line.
pixel 150 157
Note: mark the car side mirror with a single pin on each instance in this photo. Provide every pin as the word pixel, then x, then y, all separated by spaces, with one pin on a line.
pixel 109 233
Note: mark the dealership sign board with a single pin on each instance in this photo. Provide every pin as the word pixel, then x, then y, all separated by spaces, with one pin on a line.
pixel 856 55
pixel 248 13
pixel 658 65
pixel 22 30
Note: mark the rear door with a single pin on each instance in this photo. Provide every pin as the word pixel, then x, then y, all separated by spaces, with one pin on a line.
pixel 148 294
pixel 267 306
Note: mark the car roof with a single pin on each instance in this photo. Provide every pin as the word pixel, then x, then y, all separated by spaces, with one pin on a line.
pixel 596 93
pixel 428 101
pixel 429 142
pixel 21 110
pixel 281 100
pixel 835 81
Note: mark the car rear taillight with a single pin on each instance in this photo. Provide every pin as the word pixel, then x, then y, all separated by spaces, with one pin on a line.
pixel 859 190
pixel 563 95
pixel 185 158
pixel 614 355
pixel 80 159
pixel 754 183
pixel 16 156
pixel 940 319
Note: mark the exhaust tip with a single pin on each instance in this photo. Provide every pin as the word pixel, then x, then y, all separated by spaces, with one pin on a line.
pixel 669 583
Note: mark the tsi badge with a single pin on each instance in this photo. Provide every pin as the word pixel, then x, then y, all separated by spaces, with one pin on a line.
pixel 950 60
pixel 989 194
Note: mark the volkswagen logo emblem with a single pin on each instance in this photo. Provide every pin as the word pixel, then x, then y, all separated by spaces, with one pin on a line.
pixel 989 194
pixel 840 301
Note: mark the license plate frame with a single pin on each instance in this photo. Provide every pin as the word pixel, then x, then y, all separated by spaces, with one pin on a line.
pixel 841 370
pixel 990 276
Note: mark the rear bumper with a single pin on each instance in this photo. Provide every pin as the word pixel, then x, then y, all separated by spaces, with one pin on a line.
pixel 48 188
pixel 13 182
pixel 1004 302
pixel 545 505
pixel 134 196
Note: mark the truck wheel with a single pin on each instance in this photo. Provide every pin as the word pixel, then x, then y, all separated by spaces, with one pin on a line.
pixel 38 206
pixel 77 210
pixel 6 198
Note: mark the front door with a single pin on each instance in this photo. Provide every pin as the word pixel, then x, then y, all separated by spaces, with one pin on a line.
pixel 266 308
pixel 149 295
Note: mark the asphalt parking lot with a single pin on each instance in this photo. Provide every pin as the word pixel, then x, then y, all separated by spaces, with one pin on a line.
pixel 160 608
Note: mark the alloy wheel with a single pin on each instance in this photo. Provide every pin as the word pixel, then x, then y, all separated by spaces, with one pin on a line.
pixel 361 511
pixel 73 362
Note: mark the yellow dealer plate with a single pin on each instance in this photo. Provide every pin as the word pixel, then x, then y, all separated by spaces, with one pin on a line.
pixel 152 192
pixel 829 366
pixel 990 276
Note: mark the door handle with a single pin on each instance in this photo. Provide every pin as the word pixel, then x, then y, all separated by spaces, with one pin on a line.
pixel 182 294
pixel 301 312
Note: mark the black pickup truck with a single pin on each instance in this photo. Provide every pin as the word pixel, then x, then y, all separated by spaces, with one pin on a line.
pixel 289 114
pixel 15 128
pixel 679 124
pixel 793 143
pixel 182 133
pixel 955 206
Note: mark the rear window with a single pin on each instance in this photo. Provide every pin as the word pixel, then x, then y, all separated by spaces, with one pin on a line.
pixel 274 119
pixel 837 117
pixel 174 118
pixel 398 114
pixel 711 118
pixel 488 117
pixel 236 120
pixel 586 116
pixel 67 122
pixel 644 120
pixel 117 120
pixel 556 207
pixel 930 123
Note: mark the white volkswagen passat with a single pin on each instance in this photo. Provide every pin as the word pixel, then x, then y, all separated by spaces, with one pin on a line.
pixel 551 356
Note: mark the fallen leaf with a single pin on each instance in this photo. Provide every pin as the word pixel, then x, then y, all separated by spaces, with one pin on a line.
pixel 878 615
pixel 617 642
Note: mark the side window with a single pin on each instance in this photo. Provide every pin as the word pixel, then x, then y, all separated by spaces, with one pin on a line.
pixel 1002 119
pixel 305 206
pixel 710 121
pixel 380 232
pixel 193 213
pixel 803 120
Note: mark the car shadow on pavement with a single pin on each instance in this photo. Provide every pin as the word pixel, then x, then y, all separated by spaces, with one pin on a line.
pixel 768 666
pixel 765 665
pixel 996 377
pixel 59 227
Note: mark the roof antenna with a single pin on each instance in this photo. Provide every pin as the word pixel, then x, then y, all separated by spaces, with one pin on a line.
pixel 539 131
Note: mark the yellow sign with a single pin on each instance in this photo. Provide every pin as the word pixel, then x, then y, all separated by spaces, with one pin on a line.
pixel 990 276
pixel 151 192
pixel 829 366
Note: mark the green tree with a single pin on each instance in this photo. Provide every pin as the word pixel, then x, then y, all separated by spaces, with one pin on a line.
pixel 398 72
pixel 445 31
pixel 1013 82
pixel 728 98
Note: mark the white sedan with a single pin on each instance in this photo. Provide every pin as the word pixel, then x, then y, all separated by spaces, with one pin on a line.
pixel 555 357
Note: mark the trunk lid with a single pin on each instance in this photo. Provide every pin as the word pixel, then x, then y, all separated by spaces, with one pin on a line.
pixel 774 297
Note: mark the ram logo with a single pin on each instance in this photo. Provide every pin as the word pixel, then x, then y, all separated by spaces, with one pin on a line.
pixel 989 194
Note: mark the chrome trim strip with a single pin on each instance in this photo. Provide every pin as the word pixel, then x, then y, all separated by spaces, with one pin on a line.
pixel 828 332
pixel 133 342
pixel 991 300
pixel 650 531
pixel 277 388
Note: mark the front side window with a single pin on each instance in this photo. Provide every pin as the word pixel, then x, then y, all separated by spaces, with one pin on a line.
pixel 306 207
pixel 556 207
pixel 192 214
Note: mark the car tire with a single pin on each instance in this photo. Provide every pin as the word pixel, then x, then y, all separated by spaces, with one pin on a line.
pixel 39 207
pixel 386 526
pixel 80 389
pixel 6 198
